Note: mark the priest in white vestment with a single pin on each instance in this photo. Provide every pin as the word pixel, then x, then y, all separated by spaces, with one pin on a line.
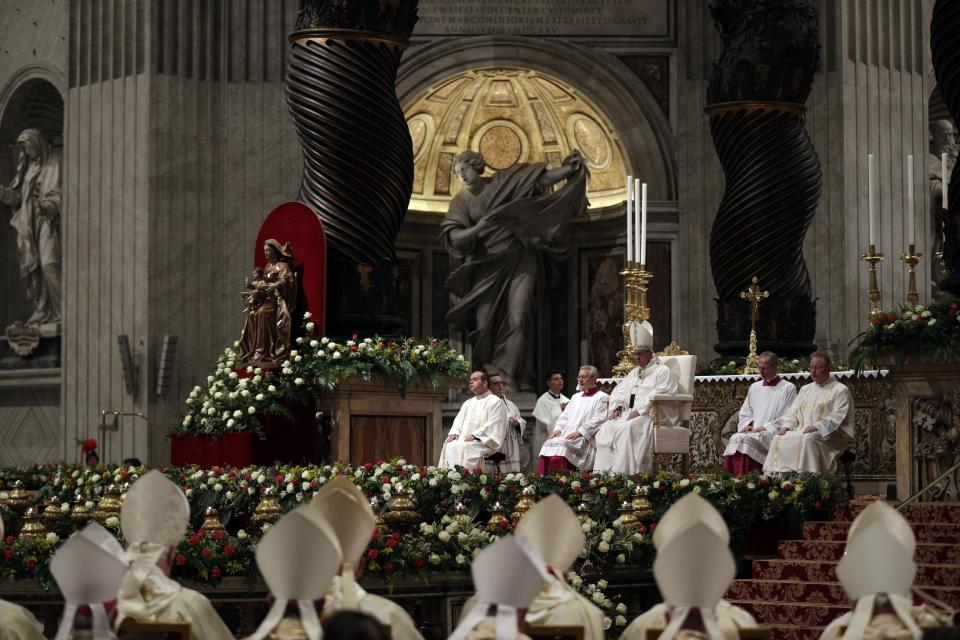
pixel 817 428
pixel 343 505
pixel 571 445
pixel 546 412
pixel 513 443
pixel 154 518
pixel 625 441
pixel 766 401
pixel 478 431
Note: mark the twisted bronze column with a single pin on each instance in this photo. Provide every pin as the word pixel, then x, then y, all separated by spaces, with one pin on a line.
pixel 357 153
pixel 772 174
pixel 945 51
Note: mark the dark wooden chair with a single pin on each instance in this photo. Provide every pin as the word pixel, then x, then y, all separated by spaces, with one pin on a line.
pixel 136 630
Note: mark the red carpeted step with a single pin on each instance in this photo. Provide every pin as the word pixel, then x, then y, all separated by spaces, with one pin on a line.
pixel 938 575
pixel 927 553
pixel 805 615
pixel 915 512
pixel 925 533
pixel 830 593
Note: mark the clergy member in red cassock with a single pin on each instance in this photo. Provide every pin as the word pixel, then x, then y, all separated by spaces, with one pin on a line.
pixel 767 400
pixel 571 445
pixel 479 430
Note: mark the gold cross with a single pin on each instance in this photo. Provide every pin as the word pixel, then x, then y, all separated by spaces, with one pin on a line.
pixel 754 296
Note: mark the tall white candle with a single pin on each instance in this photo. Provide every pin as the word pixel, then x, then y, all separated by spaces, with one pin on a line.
pixel 910 216
pixel 636 218
pixel 944 178
pixel 871 187
pixel 643 224
pixel 629 218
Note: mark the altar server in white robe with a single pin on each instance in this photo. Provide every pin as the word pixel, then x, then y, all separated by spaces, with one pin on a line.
pixel 297 558
pixel 546 411
pixel 767 400
pixel 154 518
pixel 478 431
pixel 625 441
pixel 343 505
pixel 507 576
pixel 571 445
pixel 17 623
pixel 513 443
pixel 817 428
pixel 693 569
pixel 877 572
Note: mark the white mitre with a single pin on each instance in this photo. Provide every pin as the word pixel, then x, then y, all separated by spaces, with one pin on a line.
pixel 694 569
pixel 553 529
pixel 879 560
pixel 297 557
pixel 682 512
pixel 882 513
pixel 88 568
pixel 341 503
pixel 154 518
pixel 641 334
pixel 509 574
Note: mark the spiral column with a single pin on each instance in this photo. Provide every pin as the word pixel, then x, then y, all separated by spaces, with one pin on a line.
pixel 772 173
pixel 357 154
pixel 945 51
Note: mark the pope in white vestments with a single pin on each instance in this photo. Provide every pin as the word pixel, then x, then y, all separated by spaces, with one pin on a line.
pixel 625 441
pixel 571 445
pixel 478 431
pixel 766 401
pixel 513 443
pixel 546 411
pixel 817 428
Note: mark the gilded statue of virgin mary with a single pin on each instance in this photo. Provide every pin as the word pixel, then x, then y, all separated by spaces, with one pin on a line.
pixel 271 298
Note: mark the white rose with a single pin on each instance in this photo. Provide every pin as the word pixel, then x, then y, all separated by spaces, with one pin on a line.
pixel 290 487
pixel 444 536
pixel 460 559
pixel 621 608
pixel 621 559
pixel 685 482
pixel 65 507
pixel 53 538
pixel 773 495
pixel 307 315
pixel 297 358
pixel 932 322
pixel 751 486
pixel 231 422
pixel 242 535
pixel 258 397
pixel 620 621
pixel 113 521
pixel 298 381
pixel 311 326
pixel 321 353
pixel 336 355
pixel 228 495
pixel 603 491
pixel 251 491
pixel 603 547
pixel 272 389
pixel 218 487
pixel 697 489
pixel 434 558
pixel 432 482
pixel 324 340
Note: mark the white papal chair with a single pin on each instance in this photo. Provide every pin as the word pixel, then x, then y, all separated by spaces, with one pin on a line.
pixel 671 429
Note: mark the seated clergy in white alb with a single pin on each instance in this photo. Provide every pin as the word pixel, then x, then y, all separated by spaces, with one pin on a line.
pixel 625 441
pixel 816 428
pixel 513 443
pixel 571 446
pixel 766 401
pixel 479 430
pixel 547 410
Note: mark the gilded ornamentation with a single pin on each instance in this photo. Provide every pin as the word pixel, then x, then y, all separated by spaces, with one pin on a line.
pixel 497 515
pixel 673 349
pixel 401 512
pixel 79 513
pixel 526 501
pixel 627 518
pixel 109 505
pixel 33 526
pixel 18 498
pixel 211 520
pixel 268 510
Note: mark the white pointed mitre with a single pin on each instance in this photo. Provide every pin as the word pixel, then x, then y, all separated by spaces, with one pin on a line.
pixel 87 570
pixel 679 516
pixel 641 334
pixel 155 510
pixel 694 568
pixel 299 556
pixel 509 572
pixel 554 530
pixel 876 561
pixel 880 512
pixel 347 512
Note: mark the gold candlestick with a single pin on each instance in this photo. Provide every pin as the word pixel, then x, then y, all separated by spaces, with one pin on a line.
pixel 643 277
pixel 911 258
pixel 625 363
pixel 753 295
pixel 871 257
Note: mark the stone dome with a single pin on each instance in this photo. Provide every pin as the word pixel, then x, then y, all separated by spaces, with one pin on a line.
pixel 510 116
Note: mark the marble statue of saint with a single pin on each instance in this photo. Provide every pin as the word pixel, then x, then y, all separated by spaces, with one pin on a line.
pixel 35 197
pixel 503 227
pixel 270 299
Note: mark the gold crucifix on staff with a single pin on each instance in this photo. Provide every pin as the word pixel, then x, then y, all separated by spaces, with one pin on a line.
pixel 753 295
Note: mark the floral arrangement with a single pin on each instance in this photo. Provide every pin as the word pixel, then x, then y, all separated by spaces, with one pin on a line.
pixel 910 334
pixel 233 400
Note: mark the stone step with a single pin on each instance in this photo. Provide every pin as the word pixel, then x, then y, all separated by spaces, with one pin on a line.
pixel 925 533
pixel 832 551
pixel 773 614
pixel 934 575
pixel 915 512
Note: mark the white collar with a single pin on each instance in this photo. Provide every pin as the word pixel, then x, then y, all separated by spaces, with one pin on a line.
pixel 482 395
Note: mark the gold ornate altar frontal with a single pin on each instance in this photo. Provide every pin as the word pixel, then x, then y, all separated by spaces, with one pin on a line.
pixel 717 402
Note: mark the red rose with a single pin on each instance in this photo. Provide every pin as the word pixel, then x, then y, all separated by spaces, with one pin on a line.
pixel 375 535
pixel 193 540
pixel 642 528
pixel 764 482
pixel 180 559
pixel 314 485
pixel 577 490
pixel 586 476
pixel 279 479
pixel 613 493
pixel 372 554
pixel 817 505
pixel 395 535
pixel 787 486
pixel 218 534
pixel 228 550
pixel 7 554
pixel 418 561
pixel 231 474
pixel 389 567
pixel 653 526
pixel 215 572
pixel 354 348
pixel 368 466
pixel 30 563
pixel 202 532
pixel 205 553
pixel 504 524
pixel 385 480
pixel 391 543
pixel 10 539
